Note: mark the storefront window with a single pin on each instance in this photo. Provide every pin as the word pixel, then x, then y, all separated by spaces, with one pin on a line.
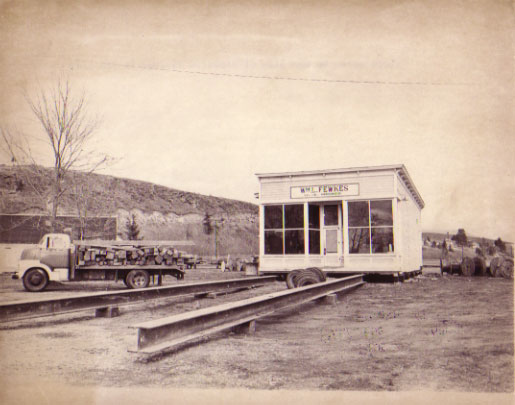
pixel 381 213
pixel 284 229
pixel 382 240
pixel 273 242
pixel 314 229
pixel 358 213
pixel 294 242
pixel 370 226
pixel 359 240
pixel 273 217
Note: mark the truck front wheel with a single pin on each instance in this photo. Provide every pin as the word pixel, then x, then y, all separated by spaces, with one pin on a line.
pixel 35 280
pixel 137 279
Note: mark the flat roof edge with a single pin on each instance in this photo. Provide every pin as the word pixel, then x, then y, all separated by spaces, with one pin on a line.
pixel 404 175
pixel 341 170
pixel 398 168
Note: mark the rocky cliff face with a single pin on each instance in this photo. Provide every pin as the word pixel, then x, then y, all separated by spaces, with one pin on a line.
pixel 160 212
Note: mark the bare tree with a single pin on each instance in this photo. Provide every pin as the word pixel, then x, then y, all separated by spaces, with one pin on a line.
pixel 67 128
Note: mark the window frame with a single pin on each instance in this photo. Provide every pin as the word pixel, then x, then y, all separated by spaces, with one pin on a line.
pixel 370 227
pixel 283 230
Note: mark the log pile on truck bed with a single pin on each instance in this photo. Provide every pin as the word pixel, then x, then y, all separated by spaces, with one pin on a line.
pixel 121 253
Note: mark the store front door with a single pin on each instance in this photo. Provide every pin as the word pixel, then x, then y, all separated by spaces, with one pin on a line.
pixel 332 241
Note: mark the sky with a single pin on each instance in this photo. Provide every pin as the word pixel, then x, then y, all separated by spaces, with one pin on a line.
pixel 200 95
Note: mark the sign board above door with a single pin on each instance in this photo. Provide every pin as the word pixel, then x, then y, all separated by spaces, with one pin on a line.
pixel 324 190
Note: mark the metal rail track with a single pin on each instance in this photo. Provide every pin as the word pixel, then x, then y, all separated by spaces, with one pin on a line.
pixel 167 333
pixel 15 311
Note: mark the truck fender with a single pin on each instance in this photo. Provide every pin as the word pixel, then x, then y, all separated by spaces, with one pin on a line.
pixel 26 265
pixel 56 274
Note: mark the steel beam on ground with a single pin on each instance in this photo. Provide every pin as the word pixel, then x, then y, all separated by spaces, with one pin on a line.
pixel 18 310
pixel 167 333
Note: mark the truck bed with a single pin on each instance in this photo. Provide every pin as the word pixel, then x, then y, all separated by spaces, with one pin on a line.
pixel 129 267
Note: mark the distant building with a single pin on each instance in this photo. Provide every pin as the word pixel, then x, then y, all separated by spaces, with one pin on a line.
pixel 450 244
pixel 475 245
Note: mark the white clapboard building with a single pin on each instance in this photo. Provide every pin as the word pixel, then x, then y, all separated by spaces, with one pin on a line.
pixel 364 219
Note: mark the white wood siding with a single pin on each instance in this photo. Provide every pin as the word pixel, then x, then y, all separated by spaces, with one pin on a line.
pixel 370 186
pixel 410 229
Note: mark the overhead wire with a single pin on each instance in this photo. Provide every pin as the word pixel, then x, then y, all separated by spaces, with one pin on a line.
pixel 283 78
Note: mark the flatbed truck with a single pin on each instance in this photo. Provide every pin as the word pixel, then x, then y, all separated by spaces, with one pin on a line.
pixel 57 258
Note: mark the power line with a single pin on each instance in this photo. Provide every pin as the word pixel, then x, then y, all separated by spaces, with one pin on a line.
pixel 284 78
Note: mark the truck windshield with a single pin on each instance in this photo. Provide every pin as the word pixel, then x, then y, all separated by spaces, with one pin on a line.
pixel 43 241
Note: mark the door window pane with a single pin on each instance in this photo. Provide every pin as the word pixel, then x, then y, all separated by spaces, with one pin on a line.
pixel 330 215
pixel 273 217
pixel 294 216
pixel 358 213
pixel 359 240
pixel 381 213
pixel 294 242
pixel 382 240
pixel 274 242
pixel 314 242
pixel 331 241
pixel 314 216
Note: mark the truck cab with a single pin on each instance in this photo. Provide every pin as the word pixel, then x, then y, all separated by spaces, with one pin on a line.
pixel 49 260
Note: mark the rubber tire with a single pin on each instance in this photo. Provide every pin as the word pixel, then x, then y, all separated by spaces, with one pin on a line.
pixel 467 267
pixel 306 279
pixel 498 270
pixel 321 275
pixel 291 278
pixel 137 279
pixel 506 269
pixel 494 265
pixel 480 266
pixel 35 280
pixel 310 272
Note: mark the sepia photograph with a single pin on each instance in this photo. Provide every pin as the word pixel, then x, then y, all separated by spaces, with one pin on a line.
pixel 248 202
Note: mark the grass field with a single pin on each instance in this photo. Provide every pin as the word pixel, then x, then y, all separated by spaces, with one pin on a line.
pixel 432 333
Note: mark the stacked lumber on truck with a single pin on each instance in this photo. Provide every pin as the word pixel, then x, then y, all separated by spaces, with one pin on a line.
pixel 121 253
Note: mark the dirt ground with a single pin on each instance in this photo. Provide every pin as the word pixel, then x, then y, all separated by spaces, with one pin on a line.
pixel 433 333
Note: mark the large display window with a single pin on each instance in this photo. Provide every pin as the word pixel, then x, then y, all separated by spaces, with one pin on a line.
pixel 284 229
pixel 314 229
pixel 370 226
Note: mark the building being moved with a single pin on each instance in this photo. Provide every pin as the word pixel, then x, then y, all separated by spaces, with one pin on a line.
pixel 365 219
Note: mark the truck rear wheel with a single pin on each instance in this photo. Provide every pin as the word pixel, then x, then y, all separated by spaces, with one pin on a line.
pixel 35 280
pixel 137 279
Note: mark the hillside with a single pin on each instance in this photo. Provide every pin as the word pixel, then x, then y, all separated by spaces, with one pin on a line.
pixel 161 212
pixel 440 236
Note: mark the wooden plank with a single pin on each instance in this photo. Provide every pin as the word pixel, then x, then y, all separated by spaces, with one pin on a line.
pixel 131 266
